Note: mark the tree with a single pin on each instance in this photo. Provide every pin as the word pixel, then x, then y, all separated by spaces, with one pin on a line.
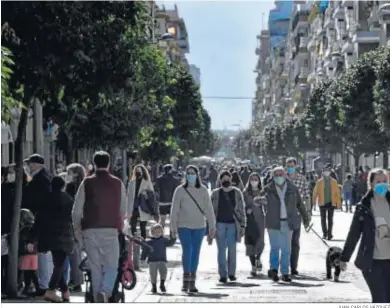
pixel 350 110
pixel 273 141
pixel 382 95
pixel 78 38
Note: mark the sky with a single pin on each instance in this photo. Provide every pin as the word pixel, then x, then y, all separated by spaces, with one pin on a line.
pixel 222 37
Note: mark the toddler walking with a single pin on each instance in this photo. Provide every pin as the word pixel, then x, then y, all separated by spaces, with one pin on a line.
pixel 157 256
pixel 28 258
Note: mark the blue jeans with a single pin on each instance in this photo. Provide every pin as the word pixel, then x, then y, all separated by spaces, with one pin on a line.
pixel 191 241
pixel 45 269
pixel 226 239
pixel 66 270
pixel 280 241
pixel 348 198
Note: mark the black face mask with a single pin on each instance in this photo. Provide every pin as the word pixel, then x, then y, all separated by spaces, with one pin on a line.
pixel 138 174
pixel 226 184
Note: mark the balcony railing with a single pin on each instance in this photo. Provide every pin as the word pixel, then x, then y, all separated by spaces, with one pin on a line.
pixel 311 44
pixel 258 51
pixel 303 42
pixel 366 37
pixel 304 72
pixel 347 3
pixel 339 12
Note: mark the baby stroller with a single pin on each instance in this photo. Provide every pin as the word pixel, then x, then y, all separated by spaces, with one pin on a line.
pixel 126 278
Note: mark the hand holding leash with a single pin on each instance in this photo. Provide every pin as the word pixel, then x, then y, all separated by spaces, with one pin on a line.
pixel 343 266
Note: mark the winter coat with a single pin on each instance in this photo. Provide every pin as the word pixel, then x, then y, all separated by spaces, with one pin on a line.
pixel 53 228
pixel 37 192
pixel 165 187
pixel 239 209
pixel 255 224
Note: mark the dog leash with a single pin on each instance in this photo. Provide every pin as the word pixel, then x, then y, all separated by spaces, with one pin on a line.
pixel 314 231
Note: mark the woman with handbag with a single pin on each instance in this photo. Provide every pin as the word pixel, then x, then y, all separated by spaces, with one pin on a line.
pixel 255 223
pixel 191 207
pixel 228 204
pixel 138 190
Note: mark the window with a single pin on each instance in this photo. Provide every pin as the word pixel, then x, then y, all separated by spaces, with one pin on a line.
pixel 306 63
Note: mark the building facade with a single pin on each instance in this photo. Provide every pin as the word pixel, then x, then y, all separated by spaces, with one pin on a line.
pixel 195 72
pixel 322 40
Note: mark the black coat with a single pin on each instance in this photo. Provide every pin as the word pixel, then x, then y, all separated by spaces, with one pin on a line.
pixel 362 226
pixel 53 228
pixel 37 191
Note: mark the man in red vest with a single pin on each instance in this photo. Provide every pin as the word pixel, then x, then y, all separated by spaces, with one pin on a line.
pixel 98 213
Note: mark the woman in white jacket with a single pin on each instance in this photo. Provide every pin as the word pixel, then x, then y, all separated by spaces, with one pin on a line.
pixel 139 184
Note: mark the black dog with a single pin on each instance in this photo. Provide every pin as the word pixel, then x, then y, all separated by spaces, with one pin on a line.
pixel 333 261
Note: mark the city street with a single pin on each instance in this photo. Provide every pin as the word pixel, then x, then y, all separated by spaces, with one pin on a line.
pixel 311 287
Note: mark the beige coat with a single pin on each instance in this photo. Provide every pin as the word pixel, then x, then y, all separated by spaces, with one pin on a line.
pixel 144 186
pixel 239 217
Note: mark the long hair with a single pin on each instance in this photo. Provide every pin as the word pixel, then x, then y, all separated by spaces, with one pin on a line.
pixel 198 180
pixel 373 173
pixel 248 186
pixel 79 172
pixel 237 179
pixel 145 172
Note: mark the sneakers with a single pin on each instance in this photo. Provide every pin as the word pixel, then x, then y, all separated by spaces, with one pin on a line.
pixel 232 278
pixel 294 272
pixel 258 265
pixel 286 278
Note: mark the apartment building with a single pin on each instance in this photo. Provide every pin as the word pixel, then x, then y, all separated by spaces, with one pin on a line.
pixel 195 72
pixel 323 39
pixel 171 34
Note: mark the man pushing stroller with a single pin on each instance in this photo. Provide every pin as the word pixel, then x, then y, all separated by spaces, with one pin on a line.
pixel 98 213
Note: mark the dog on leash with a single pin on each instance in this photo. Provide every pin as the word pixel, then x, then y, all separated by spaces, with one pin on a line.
pixel 333 261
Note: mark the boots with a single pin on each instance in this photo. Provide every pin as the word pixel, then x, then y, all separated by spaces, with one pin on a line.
pixel 191 286
pixel 186 281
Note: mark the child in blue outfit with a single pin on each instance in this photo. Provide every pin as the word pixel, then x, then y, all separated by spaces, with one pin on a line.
pixel 157 256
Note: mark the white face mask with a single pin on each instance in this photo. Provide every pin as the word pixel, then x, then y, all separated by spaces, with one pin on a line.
pixel 11 177
pixel 90 167
pixel 68 178
pixel 255 183
pixel 326 173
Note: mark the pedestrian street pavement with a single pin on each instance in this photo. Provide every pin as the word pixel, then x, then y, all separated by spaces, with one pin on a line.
pixel 311 286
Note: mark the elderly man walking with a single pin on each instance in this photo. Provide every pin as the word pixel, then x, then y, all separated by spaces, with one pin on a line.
pixel 282 201
pixel 98 213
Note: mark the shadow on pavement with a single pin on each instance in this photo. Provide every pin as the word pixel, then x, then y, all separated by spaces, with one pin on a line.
pixel 170 264
pixel 208 295
pixel 298 284
pixel 337 241
pixel 307 277
pixel 237 284
pixel 259 277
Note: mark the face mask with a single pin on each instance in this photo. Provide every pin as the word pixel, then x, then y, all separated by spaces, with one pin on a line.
pixel 381 189
pixel 191 178
pixel 279 180
pixel 138 174
pixel 254 183
pixel 226 184
pixel 290 170
pixel 326 173
pixel 11 177
pixel 90 167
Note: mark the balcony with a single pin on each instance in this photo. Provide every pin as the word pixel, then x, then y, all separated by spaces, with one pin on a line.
pixel 329 23
pixel 327 64
pixel 366 37
pixel 304 73
pixel 311 79
pixel 347 47
pixel 347 3
pixel 303 42
pixel 339 12
pixel 384 13
pixel 258 51
pixel 312 44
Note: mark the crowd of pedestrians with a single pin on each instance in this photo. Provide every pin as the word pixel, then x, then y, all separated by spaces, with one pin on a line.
pixel 83 209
